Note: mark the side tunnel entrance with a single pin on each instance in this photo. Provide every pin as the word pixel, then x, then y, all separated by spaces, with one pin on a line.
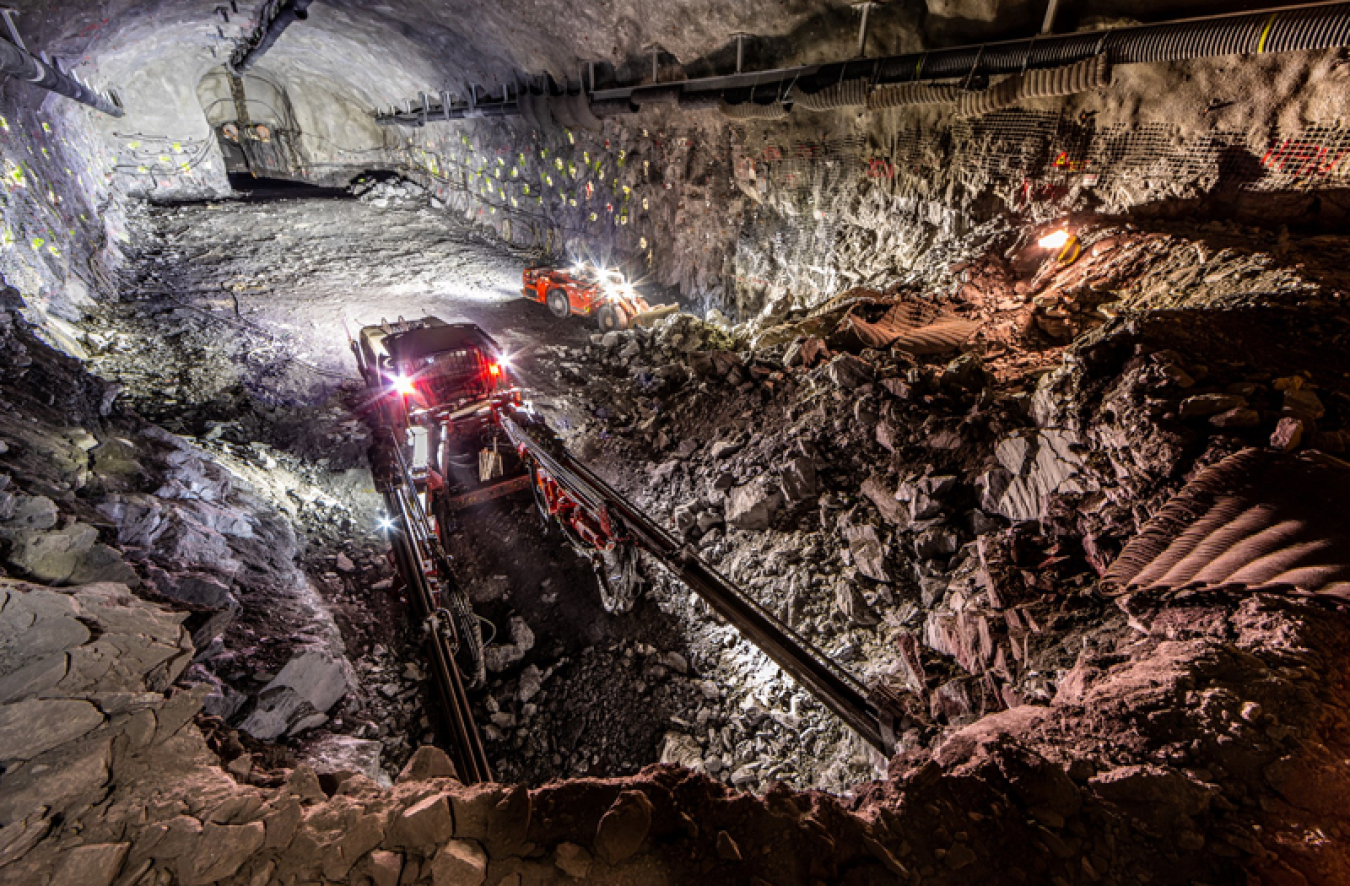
pixel 254 123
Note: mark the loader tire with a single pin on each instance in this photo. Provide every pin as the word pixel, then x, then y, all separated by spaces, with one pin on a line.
pixel 612 319
pixel 558 304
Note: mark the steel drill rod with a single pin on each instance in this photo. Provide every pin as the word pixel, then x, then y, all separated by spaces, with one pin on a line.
pixel 466 747
pixel 835 688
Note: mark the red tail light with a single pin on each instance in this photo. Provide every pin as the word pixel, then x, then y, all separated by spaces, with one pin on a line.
pixel 494 369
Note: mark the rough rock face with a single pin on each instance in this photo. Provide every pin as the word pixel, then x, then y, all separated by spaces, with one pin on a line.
pixel 110 780
pixel 936 521
pixel 90 493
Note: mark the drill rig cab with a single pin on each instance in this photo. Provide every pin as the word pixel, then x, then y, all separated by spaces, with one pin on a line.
pixel 435 385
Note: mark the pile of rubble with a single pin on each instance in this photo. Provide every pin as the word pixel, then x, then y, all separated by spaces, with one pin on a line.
pixel 383 193
pixel 937 522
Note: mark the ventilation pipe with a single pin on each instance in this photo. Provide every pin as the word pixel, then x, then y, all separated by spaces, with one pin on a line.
pixel 16 61
pixel 1293 28
pixel 246 56
pixel 1311 26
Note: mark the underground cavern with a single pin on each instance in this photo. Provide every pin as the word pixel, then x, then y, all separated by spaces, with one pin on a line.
pixel 805 442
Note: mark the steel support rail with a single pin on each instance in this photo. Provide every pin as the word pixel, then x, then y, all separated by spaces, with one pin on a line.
pixel 466 746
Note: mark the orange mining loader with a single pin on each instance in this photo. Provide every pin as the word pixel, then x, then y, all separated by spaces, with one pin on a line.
pixel 591 291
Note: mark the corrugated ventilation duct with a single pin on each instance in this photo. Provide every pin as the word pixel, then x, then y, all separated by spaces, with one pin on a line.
pixel 754 111
pixel 1088 74
pixel 581 112
pixel 1003 94
pixel 900 95
pixel 561 108
pixel 1091 73
pixel 849 94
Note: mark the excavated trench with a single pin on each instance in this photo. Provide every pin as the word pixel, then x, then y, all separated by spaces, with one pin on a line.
pixel 222 338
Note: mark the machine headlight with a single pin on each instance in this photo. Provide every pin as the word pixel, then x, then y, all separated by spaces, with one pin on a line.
pixel 404 386
pixel 1055 240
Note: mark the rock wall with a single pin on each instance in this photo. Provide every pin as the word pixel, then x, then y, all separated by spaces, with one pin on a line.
pixel 754 217
pixel 60 230
pixel 91 493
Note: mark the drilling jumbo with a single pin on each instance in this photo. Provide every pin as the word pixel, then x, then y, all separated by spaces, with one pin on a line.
pixel 451 432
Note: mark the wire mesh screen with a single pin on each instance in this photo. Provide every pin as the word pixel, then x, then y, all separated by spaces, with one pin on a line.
pixel 812 185
pixel 815 196
pixel 1010 146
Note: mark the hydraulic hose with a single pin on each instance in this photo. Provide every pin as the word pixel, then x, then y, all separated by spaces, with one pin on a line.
pixel 18 63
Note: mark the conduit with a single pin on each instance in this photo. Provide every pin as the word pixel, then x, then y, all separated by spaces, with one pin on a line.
pixel 1084 76
pixel 899 95
pixel 560 106
pixel 246 55
pixel 581 112
pixel 754 111
pixel 1071 79
pixel 1003 94
pixel 19 63
pixel 1314 26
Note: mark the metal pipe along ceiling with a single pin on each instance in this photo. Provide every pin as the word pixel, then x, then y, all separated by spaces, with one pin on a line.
pixel 246 56
pixel 1312 26
pixel 18 63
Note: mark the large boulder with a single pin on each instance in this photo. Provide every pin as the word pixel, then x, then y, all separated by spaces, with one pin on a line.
pixel 1032 467
pixel 298 697
pixel 624 827
pixel 869 554
pixel 752 506
pixel 848 372
pixel 459 863
pixel 799 481
pixel 69 556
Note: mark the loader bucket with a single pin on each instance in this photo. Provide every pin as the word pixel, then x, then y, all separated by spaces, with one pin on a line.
pixel 651 315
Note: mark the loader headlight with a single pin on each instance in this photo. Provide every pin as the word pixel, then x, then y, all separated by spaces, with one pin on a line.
pixel 404 386
pixel 386 524
pixel 1054 240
